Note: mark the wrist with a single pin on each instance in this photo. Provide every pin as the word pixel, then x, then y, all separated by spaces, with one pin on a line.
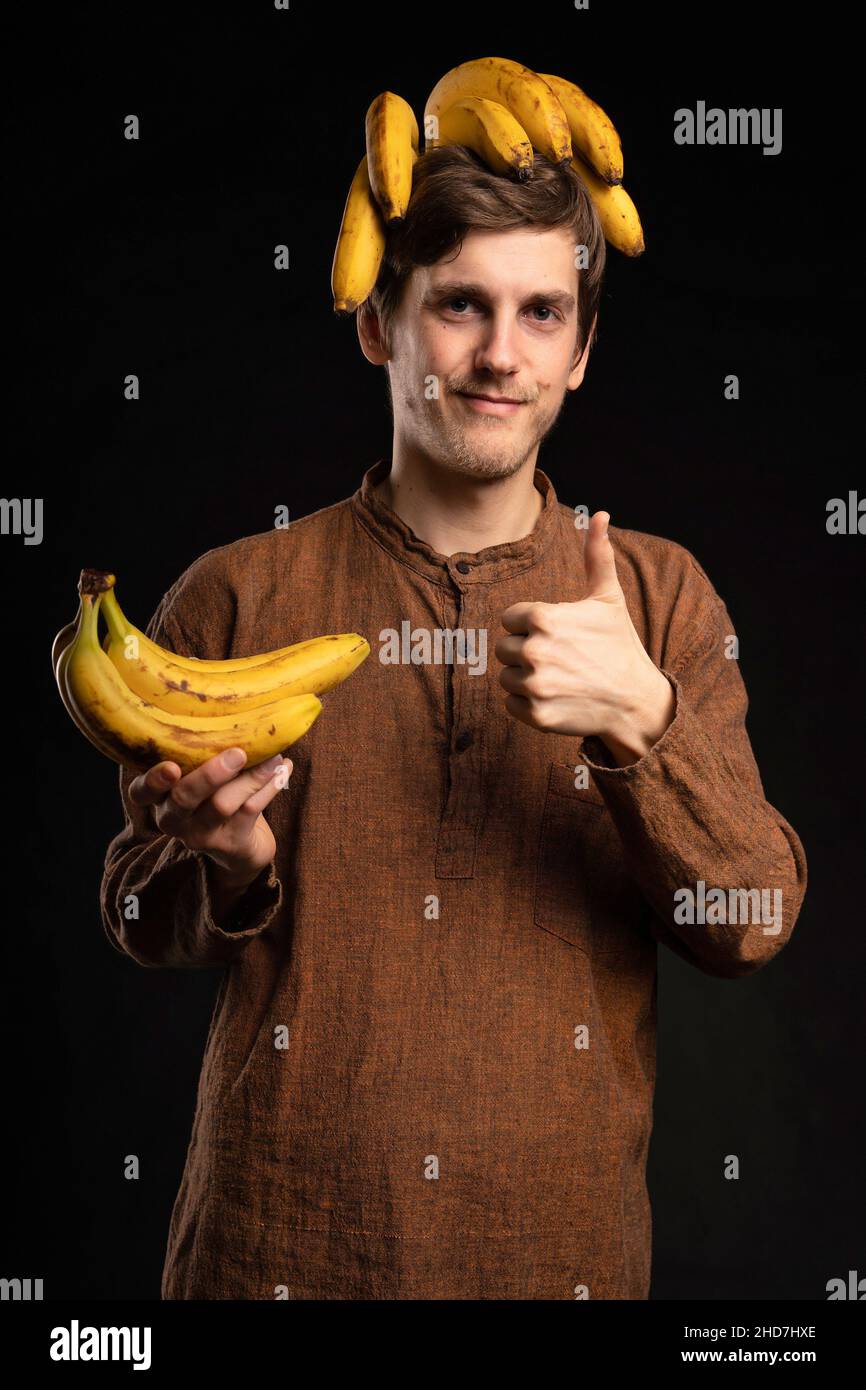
pixel 642 722
pixel 228 888
pixel 234 878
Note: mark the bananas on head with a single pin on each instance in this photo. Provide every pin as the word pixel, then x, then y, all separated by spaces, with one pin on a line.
pixel 141 704
pixel 501 110
pixel 520 90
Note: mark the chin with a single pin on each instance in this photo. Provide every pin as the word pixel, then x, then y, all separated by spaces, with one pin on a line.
pixel 477 463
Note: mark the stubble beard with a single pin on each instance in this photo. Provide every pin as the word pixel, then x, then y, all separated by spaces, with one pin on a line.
pixel 486 448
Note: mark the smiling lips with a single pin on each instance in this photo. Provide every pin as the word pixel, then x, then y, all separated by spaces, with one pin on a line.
pixel 491 405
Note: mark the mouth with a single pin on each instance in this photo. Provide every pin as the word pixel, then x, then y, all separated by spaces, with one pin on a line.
pixel 490 405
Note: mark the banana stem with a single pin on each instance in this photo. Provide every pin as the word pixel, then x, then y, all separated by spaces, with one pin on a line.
pixel 88 626
pixel 119 629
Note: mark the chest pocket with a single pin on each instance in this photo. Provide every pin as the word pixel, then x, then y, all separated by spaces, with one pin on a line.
pixel 576 842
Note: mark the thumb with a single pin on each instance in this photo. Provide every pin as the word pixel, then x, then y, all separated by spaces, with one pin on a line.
pixel 599 560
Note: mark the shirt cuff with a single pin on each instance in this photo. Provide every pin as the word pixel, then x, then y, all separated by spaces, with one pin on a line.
pixel 599 759
pixel 253 912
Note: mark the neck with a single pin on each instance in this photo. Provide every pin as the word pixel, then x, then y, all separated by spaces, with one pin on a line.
pixel 454 511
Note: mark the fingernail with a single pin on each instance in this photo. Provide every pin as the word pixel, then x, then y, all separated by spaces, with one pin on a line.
pixel 234 757
pixel 273 763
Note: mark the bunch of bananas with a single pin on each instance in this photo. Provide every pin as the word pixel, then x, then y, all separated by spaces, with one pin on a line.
pixel 501 110
pixel 140 704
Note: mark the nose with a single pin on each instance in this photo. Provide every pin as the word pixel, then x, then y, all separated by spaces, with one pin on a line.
pixel 497 350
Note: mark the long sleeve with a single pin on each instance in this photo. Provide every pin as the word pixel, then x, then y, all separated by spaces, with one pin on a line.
pixel 155 896
pixel 692 810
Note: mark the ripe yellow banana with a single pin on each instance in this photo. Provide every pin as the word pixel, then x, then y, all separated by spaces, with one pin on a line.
pixel 616 211
pixel 307 668
pixel 526 95
pixel 392 148
pixel 360 246
pixel 593 135
pixel 101 581
pixel 491 131
pixel 60 660
pixel 136 734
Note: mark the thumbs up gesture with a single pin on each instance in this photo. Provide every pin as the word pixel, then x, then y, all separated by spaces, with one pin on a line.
pixel 580 668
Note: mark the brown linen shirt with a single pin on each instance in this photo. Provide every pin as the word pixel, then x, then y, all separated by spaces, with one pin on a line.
pixel 430 1066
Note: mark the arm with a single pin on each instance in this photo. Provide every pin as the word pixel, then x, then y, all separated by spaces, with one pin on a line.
pixel 691 809
pixel 162 903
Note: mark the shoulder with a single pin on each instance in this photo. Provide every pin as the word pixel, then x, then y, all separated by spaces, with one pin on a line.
pixel 668 568
pixel 247 565
pixel 221 591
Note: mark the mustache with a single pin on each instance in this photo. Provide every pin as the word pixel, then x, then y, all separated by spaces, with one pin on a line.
pixel 473 388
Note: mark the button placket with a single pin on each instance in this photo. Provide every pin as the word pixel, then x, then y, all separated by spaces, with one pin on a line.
pixel 463 813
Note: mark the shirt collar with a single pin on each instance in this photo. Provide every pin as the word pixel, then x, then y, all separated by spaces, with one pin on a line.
pixel 488 566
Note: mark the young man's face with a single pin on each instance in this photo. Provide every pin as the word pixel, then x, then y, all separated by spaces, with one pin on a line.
pixel 499 319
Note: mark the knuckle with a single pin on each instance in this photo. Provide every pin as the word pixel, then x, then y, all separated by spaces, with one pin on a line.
pixel 220 804
pixel 541 715
pixel 540 617
pixel 179 799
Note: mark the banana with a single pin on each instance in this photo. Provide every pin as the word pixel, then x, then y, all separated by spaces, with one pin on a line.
pixel 616 211
pixel 152 672
pixel 136 734
pixel 593 135
pixel 97 581
pixel 491 131
pixel 526 95
pixel 59 656
pixel 392 148
pixel 360 246
pixel 63 638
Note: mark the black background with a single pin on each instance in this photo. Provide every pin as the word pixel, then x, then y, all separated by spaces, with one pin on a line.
pixel 156 257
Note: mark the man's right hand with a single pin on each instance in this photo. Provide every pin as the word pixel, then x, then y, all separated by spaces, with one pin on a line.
pixel 217 808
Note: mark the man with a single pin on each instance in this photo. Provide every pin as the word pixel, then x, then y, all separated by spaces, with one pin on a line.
pixel 431 1062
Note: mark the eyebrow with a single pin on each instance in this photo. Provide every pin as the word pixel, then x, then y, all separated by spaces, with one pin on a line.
pixel 451 289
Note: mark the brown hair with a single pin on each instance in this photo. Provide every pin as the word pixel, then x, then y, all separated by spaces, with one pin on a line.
pixel 454 192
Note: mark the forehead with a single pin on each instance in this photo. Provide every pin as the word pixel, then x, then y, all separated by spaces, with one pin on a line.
pixel 521 260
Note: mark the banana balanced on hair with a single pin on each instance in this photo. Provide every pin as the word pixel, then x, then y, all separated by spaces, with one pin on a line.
pixel 140 704
pixel 502 111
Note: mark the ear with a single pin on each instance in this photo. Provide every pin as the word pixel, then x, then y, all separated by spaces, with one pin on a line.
pixel 370 335
pixel 577 371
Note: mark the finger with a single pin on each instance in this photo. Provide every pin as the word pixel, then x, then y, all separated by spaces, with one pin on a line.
pixel 197 786
pixel 151 786
pixel 278 780
pixel 509 650
pixel 521 709
pixel 227 800
pixel 516 618
pixel 599 559
pixel 513 679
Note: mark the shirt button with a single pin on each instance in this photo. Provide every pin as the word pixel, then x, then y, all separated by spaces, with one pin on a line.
pixel 464 741
pixel 463 566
